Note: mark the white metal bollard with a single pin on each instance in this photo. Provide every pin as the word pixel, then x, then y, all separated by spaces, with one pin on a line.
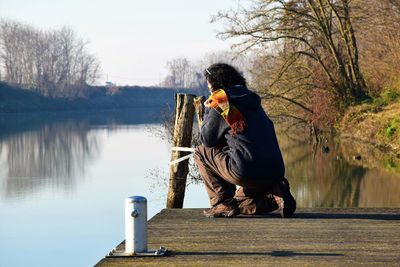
pixel 136 231
pixel 135 225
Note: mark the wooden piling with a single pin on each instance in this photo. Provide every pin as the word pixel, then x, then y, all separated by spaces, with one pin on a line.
pixel 199 106
pixel 184 115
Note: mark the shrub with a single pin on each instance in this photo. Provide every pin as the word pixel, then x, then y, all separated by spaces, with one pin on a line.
pixel 392 127
pixel 387 96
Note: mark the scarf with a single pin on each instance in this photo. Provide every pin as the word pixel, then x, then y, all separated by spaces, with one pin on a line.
pixel 218 100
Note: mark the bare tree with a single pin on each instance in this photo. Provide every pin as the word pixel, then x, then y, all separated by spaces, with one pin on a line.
pixel 183 73
pixel 308 62
pixel 54 63
pixel 320 30
pixel 379 42
pixel 178 70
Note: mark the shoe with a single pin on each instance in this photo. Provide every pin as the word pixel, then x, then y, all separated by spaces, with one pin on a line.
pixel 284 199
pixel 270 204
pixel 222 210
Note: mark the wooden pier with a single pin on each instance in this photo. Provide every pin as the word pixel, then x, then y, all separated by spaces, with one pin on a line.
pixel 314 237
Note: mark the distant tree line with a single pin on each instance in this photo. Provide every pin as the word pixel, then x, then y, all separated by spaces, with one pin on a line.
pixel 55 63
pixel 185 73
pixel 317 57
pixel 14 99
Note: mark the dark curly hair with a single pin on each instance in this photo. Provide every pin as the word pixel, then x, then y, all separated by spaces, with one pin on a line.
pixel 222 76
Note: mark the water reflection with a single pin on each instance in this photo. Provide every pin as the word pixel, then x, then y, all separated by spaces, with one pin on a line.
pixel 54 151
pixel 322 178
pixel 53 155
pixel 49 150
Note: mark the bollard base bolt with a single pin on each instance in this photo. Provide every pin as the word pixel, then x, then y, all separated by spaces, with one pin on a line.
pixel 119 253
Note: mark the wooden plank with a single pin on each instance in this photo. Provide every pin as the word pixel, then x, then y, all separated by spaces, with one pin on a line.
pixel 316 237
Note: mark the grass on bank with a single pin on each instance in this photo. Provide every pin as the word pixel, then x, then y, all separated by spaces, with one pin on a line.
pixel 376 120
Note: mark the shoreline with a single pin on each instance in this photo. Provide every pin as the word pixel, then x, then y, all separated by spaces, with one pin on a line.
pixel 18 100
pixel 377 125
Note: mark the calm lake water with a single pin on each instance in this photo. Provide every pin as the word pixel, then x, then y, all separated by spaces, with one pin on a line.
pixel 64 178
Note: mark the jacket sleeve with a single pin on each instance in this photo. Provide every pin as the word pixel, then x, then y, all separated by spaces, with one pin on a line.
pixel 213 128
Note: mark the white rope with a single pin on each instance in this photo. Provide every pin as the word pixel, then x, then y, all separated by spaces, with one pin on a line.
pixel 185 149
pixel 180 159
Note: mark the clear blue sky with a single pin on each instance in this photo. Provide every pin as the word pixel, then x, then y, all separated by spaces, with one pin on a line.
pixel 132 38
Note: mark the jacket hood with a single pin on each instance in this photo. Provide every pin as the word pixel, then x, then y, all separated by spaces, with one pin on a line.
pixel 243 96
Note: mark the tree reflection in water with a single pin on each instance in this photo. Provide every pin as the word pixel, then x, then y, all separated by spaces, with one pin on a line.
pixel 36 153
pixel 326 179
pixel 54 149
pixel 56 154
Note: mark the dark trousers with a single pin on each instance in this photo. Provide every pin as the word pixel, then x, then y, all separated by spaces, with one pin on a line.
pixel 220 182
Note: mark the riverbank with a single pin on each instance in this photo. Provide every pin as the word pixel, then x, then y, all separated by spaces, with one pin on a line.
pixel 374 124
pixel 378 127
pixel 14 99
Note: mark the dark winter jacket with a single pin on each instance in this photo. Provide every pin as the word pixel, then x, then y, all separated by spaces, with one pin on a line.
pixel 255 153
